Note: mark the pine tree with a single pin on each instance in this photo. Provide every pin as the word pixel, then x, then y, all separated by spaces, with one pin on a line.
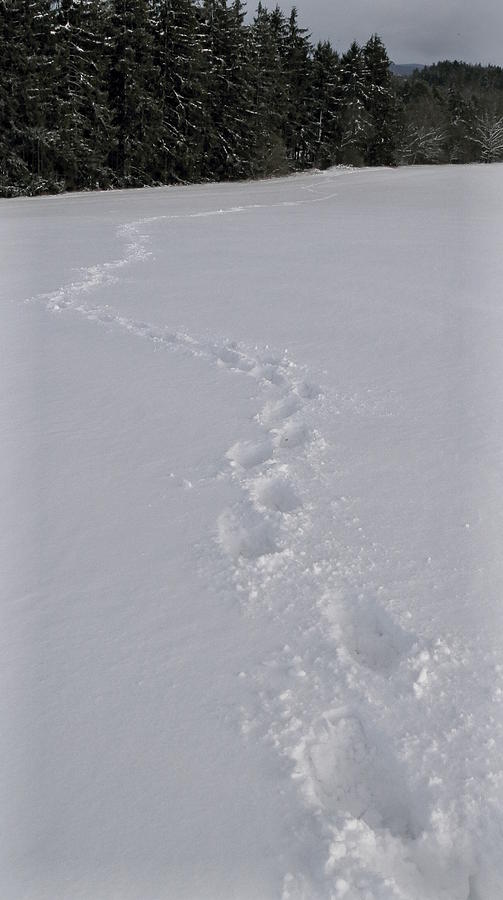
pixel 13 169
pixel 326 126
pixel 268 94
pixel 239 91
pixel 179 60
pixel 80 116
pixel 133 84
pixel 296 49
pixel 460 121
pixel 354 102
pixel 25 97
pixel 227 128
pixel 381 105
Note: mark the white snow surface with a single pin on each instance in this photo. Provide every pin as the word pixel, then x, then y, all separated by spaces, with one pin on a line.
pixel 252 513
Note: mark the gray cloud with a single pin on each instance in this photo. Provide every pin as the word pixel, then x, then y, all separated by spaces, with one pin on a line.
pixel 412 30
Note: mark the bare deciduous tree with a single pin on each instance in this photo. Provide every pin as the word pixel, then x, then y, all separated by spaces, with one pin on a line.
pixel 488 134
pixel 422 144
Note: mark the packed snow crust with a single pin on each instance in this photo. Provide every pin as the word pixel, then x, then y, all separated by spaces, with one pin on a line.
pixel 251 547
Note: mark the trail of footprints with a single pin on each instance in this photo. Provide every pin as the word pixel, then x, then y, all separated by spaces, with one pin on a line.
pixel 285 563
pixel 262 522
pixel 314 697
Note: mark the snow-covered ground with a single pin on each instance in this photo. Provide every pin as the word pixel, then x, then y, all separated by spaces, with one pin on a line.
pixel 252 512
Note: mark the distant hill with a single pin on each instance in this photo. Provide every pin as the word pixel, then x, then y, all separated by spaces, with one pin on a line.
pixel 405 69
pixel 462 76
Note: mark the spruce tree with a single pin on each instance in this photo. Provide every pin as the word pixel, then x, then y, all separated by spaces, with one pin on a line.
pixel 133 84
pixel 227 94
pixel 178 58
pixel 268 96
pixel 296 49
pixel 14 171
pixel 460 121
pixel 80 115
pixel 326 125
pixel 381 106
pixel 26 92
pixel 354 102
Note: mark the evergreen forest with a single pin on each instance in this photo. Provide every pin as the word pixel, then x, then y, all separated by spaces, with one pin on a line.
pixel 125 93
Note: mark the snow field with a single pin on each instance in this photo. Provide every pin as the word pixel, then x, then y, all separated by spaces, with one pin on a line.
pixel 390 736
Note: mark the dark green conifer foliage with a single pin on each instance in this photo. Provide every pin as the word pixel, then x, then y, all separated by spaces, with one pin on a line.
pixel 381 106
pixel 14 172
pixel 354 102
pixel 326 119
pixel 26 97
pixel 227 91
pixel 296 52
pixel 460 121
pixel 80 116
pixel 133 83
pixel 268 93
pixel 179 60
pixel 98 93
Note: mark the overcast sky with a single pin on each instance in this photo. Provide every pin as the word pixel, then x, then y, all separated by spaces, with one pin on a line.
pixel 416 31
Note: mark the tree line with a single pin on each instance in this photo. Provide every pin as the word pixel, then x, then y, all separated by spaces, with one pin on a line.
pixel 452 113
pixel 118 93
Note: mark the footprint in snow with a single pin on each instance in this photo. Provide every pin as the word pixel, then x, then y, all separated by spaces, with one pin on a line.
pixel 275 493
pixel 308 389
pixel 247 454
pixel 105 317
pixel 268 372
pixel 366 631
pixel 273 359
pixel 232 358
pixel 347 769
pixel 293 434
pixel 243 533
pixel 275 412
